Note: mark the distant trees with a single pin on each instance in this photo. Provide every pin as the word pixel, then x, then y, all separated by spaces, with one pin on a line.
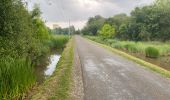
pixel 93 25
pixel 118 20
pixel 146 23
pixel 64 31
pixel 77 32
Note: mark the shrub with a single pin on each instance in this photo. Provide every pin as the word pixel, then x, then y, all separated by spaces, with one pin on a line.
pixel 152 52
pixel 110 41
pixel 117 45
pixel 131 47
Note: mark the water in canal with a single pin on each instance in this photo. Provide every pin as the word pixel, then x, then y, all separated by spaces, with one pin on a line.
pixel 47 66
pixel 52 65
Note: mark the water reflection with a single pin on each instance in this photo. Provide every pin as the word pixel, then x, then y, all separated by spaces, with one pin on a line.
pixel 52 65
pixel 47 66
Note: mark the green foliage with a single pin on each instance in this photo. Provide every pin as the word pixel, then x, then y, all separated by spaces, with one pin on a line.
pixel 131 47
pixel 16 76
pixel 93 25
pixel 147 23
pixel 24 35
pixel 58 41
pixel 78 32
pixel 36 13
pixel 64 31
pixel 134 47
pixel 118 20
pixel 117 45
pixel 60 83
pixel 152 52
pixel 147 65
pixel 107 31
pixel 110 41
pixel 41 31
pixel 15 30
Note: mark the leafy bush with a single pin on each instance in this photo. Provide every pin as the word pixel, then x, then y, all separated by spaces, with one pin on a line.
pixel 107 31
pixel 152 52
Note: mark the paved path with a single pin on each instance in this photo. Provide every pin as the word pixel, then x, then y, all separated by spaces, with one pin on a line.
pixel 107 76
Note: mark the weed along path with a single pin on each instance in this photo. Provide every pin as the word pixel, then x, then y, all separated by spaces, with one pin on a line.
pixel 108 76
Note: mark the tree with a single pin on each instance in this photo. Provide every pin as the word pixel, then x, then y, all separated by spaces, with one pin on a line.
pixel 78 32
pixel 15 28
pixel 36 13
pixel 118 19
pixel 107 31
pixel 64 31
pixel 93 25
pixel 147 23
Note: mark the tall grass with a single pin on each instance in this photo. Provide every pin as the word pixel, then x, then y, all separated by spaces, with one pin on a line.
pixel 58 41
pixel 16 77
pixel 152 52
pixel 131 46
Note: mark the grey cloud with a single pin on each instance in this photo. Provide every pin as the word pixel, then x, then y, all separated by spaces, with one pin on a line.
pixel 81 10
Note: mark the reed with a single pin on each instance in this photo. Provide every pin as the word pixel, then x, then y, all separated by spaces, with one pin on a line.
pixel 16 78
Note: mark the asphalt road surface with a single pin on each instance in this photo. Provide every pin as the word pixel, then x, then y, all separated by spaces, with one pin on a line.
pixel 108 76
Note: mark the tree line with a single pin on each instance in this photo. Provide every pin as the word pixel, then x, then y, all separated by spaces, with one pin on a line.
pixel 64 31
pixel 147 23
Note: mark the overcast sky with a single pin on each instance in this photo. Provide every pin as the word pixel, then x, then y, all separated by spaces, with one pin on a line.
pixel 78 11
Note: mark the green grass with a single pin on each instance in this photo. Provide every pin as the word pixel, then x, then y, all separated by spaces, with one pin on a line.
pixel 58 86
pixel 17 75
pixel 16 78
pixel 58 41
pixel 131 46
pixel 147 65
pixel 152 52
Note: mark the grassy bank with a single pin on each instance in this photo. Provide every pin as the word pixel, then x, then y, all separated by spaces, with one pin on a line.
pixel 147 65
pixel 57 87
pixel 131 46
pixel 17 74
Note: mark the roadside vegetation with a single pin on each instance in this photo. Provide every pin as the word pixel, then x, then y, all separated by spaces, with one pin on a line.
pixel 147 23
pixel 58 41
pixel 24 39
pixel 145 33
pixel 58 86
pixel 153 49
pixel 145 64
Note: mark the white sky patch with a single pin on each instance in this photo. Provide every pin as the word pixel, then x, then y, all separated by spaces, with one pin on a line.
pixel 89 4
pixel 78 11
pixel 76 24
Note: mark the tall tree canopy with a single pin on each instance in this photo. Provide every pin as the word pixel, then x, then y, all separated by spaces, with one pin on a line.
pixel 93 24
pixel 147 23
